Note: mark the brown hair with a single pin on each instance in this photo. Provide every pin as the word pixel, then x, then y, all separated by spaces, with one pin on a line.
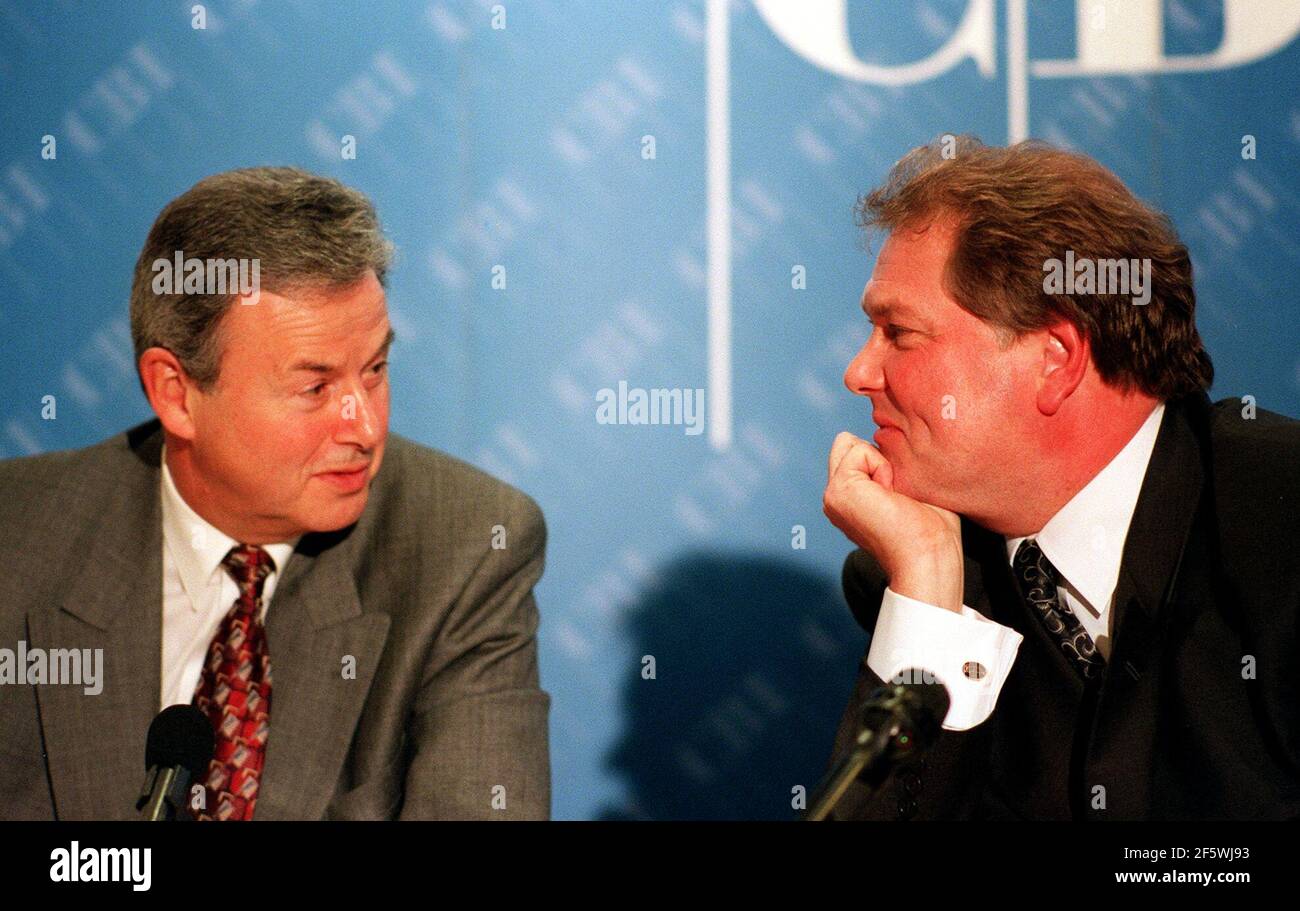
pixel 1019 207
pixel 306 232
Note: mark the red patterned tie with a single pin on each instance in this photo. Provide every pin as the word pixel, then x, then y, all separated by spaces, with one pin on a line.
pixel 235 692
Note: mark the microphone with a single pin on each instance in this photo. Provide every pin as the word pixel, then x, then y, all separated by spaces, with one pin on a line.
pixel 897 720
pixel 179 746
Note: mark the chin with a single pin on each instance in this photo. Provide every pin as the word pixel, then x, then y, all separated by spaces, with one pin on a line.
pixel 337 516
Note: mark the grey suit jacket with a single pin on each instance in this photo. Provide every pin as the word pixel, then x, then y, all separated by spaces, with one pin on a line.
pixel 444 719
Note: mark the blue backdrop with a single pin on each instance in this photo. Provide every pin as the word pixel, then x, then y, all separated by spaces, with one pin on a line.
pixel 570 145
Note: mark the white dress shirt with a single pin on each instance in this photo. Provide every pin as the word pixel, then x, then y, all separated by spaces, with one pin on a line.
pixel 197 591
pixel 1084 541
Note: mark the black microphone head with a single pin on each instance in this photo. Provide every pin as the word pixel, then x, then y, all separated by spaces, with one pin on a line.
pixel 913 703
pixel 180 735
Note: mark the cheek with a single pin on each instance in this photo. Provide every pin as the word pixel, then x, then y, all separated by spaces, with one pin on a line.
pixel 308 443
pixel 919 383
pixel 901 376
pixel 946 396
pixel 984 392
pixel 235 436
pixel 291 443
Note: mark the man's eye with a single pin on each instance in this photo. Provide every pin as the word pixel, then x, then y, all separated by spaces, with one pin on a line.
pixel 893 332
pixel 314 390
pixel 379 368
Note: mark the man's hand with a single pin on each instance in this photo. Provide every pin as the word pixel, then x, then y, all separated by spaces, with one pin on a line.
pixel 917 545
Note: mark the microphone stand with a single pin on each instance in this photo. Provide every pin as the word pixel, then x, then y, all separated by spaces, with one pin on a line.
pixel 164 794
pixel 893 724
pixel 866 752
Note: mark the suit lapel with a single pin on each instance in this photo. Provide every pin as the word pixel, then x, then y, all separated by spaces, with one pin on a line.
pixel 1162 522
pixel 315 622
pixel 95 743
pixel 1119 739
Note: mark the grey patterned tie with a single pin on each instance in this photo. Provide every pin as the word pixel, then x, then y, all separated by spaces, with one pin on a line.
pixel 1038 579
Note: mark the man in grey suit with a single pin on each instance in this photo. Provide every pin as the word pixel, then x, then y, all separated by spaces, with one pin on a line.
pixel 379 660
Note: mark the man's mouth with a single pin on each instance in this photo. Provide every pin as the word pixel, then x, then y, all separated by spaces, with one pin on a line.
pixel 348 481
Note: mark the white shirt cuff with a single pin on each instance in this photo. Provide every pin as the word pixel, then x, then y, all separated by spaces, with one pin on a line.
pixel 912 634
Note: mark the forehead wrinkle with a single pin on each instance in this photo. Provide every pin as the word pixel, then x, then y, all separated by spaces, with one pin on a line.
pixel 880 305
pixel 321 368
pixel 877 303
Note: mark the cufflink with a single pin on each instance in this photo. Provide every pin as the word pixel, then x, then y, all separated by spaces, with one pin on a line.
pixel 973 670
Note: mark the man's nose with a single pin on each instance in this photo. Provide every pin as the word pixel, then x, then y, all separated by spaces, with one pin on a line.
pixel 864 375
pixel 359 419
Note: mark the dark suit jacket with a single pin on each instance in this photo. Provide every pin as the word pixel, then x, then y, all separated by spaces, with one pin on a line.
pixel 1197 715
pixel 444 714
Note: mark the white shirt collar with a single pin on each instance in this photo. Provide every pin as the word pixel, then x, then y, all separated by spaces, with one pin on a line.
pixel 196 546
pixel 1085 539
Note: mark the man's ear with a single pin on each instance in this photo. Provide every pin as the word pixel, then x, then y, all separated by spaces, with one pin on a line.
pixel 170 390
pixel 1065 355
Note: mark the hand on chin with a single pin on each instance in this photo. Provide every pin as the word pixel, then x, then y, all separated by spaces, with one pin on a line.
pixel 918 545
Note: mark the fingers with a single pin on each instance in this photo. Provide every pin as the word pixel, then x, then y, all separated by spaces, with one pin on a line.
pixel 849 453
pixel 884 474
pixel 843 443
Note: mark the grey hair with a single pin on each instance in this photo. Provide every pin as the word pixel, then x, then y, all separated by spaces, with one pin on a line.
pixel 307 233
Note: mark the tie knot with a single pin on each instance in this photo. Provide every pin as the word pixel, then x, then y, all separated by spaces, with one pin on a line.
pixel 248 565
pixel 1028 550
pixel 1034 565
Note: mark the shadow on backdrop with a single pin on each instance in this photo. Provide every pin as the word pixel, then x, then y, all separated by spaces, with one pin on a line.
pixel 754 660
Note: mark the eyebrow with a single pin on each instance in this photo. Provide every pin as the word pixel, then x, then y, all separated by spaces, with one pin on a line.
pixel 315 367
pixel 892 307
pixel 881 311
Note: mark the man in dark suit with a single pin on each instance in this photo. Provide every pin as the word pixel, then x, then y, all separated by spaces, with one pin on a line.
pixel 1097 563
pixel 352 611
